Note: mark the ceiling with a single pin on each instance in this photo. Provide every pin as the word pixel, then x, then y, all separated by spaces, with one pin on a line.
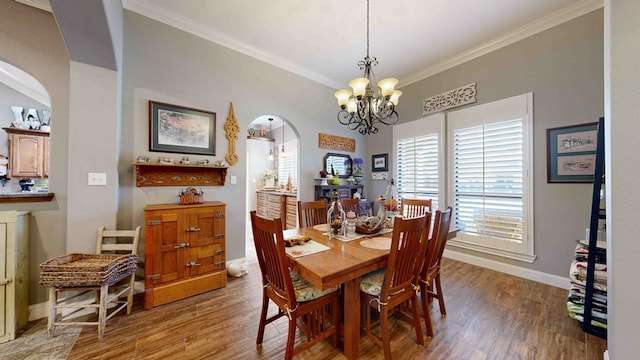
pixel 324 39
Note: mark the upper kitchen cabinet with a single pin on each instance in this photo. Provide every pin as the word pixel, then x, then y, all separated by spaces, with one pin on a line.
pixel 28 153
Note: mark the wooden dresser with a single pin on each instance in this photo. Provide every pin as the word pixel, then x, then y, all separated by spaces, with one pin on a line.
pixel 184 251
pixel 273 205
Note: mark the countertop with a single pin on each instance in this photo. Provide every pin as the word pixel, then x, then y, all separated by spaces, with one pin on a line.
pixel 15 197
pixel 277 192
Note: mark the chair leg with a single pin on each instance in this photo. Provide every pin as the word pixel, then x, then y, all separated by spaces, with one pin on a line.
pixel 440 295
pixel 425 309
pixel 291 338
pixel 416 320
pixel 336 321
pixel 132 283
pixel 53 299
pixel 263 319
pixel 384 330
pixel 102 309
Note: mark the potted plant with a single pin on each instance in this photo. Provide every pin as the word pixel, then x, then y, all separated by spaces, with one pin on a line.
pixel 270 178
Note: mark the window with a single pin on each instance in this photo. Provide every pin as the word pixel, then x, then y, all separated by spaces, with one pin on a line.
pixel 489 167
pixel 486 150
pixel 288 165
pixel 419 159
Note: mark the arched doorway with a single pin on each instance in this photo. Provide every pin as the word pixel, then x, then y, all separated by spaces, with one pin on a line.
pixel 25 106
pixel 266 140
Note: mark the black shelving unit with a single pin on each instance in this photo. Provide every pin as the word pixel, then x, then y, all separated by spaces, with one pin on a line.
pixel 597 213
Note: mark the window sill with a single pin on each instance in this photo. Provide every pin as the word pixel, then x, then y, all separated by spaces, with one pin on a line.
pixel 529 258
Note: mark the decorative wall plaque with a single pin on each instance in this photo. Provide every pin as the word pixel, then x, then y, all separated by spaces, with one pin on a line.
pixel 326 141
pixel 450 99
pixel 232 129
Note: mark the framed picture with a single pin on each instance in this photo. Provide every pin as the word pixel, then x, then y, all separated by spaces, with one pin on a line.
pixel 181 129
pixel 571 153
pixel 379 162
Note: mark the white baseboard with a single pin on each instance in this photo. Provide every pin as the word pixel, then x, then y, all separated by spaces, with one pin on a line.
pixel 606 355
pixel 545 278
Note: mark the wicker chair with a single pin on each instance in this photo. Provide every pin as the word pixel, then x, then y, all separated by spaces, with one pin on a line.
pixel 71 281
pixel 309 308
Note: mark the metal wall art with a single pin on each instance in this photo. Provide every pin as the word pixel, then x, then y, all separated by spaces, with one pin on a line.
pixel 450 99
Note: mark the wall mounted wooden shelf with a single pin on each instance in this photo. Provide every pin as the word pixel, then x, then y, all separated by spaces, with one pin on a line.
pixel 179 175
pixel 262 138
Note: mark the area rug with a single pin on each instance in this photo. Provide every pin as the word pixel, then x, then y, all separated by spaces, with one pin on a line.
pixel 33 343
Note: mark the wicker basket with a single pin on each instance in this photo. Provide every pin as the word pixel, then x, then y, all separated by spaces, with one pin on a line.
pixel 86 270
pixel 186 199
pixel 368 231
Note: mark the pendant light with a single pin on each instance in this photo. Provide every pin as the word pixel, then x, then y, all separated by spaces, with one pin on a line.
pixel 270 157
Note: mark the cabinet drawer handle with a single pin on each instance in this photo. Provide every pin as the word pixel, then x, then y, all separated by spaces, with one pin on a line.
pixel 219 252
pixel 193 264
pixel 219 264
pixel 193 229
pixel 219 236
pixel 183 245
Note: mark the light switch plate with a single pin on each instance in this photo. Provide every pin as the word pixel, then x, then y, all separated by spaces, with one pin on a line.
pixel 97 179
pixel 233 180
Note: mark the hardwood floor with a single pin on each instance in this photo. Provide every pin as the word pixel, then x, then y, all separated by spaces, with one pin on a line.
pixel 491 315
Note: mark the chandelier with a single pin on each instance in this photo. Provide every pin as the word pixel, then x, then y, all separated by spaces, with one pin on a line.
pixel 368 105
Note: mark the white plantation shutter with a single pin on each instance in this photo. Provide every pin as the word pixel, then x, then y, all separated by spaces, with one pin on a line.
pixel 417 168
pixel 489 167
pixel 487 179
pixel 419 159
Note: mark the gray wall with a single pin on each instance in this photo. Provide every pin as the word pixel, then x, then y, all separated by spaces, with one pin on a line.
pixel 622 125
pixel 563 67
pixel 167 65
pixel 29 39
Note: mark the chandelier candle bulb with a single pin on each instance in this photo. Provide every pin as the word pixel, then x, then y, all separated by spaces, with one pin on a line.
pixel 387 86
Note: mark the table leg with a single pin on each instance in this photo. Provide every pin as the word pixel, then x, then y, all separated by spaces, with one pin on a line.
pixel 352 319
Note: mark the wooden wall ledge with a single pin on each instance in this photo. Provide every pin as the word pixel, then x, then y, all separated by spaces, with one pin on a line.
pixel 179 175
pixel 18 197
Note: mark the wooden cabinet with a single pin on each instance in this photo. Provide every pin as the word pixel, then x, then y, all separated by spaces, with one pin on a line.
pixel 28 153
pixel 184 251
pixel 14 273
pixel 278 205
pixel 344 191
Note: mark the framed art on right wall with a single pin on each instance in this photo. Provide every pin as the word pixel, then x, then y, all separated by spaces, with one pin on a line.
pixel 379 162
pixel 571 153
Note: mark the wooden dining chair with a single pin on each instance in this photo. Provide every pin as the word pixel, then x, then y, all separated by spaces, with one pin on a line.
pixel 351 205
pixel 396 285
pixel 307 307
pixel 110 298
pixel 312 212
pixel 414 207
pixel 430 276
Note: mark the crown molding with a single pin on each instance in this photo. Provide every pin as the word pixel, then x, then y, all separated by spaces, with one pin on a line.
pixel 149 9
pixel 566 14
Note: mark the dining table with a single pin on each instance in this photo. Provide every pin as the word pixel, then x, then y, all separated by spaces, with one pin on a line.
pixel 342 261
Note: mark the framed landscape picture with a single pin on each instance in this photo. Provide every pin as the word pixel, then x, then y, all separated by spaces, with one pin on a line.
pixel 571 153
pixel 379 162
pixel 180 129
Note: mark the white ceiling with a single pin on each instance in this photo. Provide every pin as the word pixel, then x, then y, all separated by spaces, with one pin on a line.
pixel 324 39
